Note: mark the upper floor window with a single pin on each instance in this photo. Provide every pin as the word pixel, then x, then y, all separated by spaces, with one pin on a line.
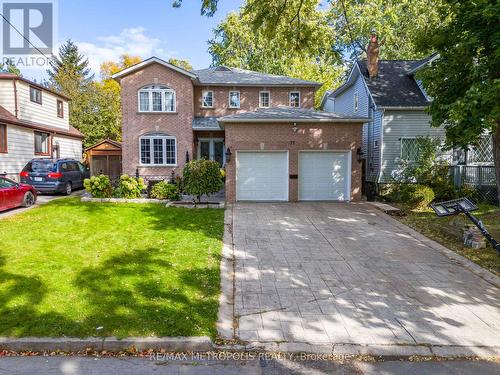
pixel 35 95
pixel 356 102
pixel 60 109
pixel 234 99
pixel 3 138
pixel 264 99
pixel 207 99
pixel 42 142
pixel 158 149
pixel 156 98
pixel 295 99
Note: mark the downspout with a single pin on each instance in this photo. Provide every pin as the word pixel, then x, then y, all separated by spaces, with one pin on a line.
pixel 381 146
pixel 16 110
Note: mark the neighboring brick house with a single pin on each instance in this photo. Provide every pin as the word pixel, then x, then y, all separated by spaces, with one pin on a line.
pixel 34 122
pixel 263 128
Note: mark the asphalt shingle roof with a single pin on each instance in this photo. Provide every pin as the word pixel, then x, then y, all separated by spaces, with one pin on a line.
pixel 393 86
pixel 206 123
pixel 281 114
pixel 222 75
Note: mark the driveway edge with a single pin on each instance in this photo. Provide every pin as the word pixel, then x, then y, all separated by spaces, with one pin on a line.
pixel 225 322
pixel 71 344
pixel 463 261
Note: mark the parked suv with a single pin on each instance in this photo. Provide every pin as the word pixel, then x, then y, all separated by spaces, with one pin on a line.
pixel 55 176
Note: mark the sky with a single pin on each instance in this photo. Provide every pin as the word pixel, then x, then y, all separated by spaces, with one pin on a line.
pixel 106 29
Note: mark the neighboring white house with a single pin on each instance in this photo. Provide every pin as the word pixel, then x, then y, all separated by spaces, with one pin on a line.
pixel 396 103
pixel 34 122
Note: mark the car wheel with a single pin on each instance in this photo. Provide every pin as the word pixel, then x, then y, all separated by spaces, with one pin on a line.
pixel 29 199
pixel 68 188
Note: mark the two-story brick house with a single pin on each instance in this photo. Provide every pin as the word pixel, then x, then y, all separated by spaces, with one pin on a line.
pixel 263 128
pixel 34 122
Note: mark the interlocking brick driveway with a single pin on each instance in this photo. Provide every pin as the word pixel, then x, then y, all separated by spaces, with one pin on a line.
pixel 347 273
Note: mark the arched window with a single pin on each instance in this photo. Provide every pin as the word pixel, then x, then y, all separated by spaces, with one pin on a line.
pixel 156 98
pixel 158 149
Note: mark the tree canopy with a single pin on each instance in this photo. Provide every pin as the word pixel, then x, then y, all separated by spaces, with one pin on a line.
pixel 464 81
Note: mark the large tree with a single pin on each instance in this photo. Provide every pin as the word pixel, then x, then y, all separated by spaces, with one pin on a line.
pixel 236 43
pixel 465 80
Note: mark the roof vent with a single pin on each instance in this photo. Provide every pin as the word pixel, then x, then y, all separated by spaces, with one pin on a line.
pixel 222 68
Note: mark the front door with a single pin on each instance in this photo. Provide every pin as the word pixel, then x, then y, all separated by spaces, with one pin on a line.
pixel 211 149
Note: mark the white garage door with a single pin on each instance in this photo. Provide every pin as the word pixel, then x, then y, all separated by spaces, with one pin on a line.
pixel 261 176
pixel 324 176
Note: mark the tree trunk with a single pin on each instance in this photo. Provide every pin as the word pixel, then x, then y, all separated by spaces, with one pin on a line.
pixel 496 157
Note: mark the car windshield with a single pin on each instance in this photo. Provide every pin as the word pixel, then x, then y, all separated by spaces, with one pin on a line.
pixel 41 166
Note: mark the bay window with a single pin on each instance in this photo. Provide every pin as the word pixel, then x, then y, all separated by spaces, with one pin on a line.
pixel 156 98
pixel 158 150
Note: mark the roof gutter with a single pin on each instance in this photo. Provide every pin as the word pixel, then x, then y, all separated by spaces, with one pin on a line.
pixel 298 120
pixel 402 108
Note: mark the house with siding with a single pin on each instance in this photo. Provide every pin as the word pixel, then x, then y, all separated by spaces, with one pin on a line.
pixel 395 102
pixel 34 122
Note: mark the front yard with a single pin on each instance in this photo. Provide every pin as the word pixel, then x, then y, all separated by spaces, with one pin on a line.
pixel 69 268
pixel 439 228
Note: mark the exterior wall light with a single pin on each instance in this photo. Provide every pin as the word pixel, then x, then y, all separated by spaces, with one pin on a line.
pixel 228 155
pixel 359 152
pixel 295 128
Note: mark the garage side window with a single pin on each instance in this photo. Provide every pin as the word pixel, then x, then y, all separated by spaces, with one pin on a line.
pixel 156 98
pixel 158 149
pixel 3 138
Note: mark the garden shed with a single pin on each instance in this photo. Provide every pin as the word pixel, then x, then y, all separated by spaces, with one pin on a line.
pixel 105 157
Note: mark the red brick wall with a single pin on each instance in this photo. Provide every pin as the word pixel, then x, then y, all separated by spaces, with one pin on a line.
pixel 135 124
pixel 335 136
pixel 249 99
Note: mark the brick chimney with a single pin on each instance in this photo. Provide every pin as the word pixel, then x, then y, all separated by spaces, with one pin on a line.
pixel 372 52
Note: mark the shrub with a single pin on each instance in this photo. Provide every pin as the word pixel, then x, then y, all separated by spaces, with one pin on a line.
pixel 412 195
pixel 202 177
pixel 164 190
pixel 129 187
pixel 98 186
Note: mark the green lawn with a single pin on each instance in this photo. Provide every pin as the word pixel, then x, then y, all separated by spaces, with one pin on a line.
pixel 438 228
pixel 67 268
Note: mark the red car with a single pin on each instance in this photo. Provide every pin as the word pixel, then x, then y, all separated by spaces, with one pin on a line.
pixel 14 195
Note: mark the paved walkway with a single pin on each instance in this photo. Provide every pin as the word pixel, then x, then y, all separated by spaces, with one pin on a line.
pixel 333 273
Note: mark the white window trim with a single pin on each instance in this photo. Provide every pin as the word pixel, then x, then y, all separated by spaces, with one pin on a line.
pixel 239 99
pixel 260 99
pixel 356 102
pixel 150 99
pixel 202 102
pixel 290 98
pixel 151 150
pixel 212 148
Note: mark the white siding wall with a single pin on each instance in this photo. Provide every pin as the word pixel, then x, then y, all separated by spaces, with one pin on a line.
pixel 20 147
pixel 7 95
pixel 45 113
pixel 69 147
pixel 403 124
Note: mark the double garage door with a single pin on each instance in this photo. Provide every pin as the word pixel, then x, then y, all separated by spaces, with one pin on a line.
pixel 263 175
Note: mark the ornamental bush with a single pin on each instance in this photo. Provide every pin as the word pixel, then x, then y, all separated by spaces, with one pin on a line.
pixel 164 190
pixel 202 177
pixel 129 187
pixel 412 195
pixel 98 186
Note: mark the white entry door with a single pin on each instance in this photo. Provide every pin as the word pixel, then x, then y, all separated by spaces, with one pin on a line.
pixel 324 176
pixel 261 176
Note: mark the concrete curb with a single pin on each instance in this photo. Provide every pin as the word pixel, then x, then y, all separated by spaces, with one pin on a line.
pixel 225 327
pixel 71 344
pixel 466 263
pixel 373 349
pixel 124 200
